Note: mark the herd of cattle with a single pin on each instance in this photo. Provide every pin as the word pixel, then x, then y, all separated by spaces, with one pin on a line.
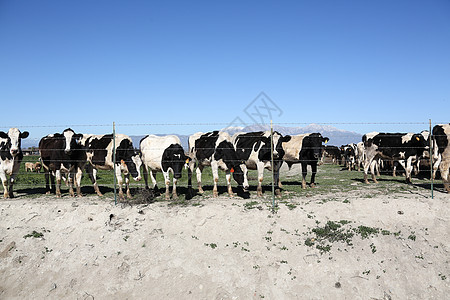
pixel 69 154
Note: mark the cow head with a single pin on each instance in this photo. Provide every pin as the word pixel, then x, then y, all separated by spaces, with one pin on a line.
pixel 129 158
pixel 173 157
pixel 72 140
pixel 14 137
pixel 313 144
pixel 226 152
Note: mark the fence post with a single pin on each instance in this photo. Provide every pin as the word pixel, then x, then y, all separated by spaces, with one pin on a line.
pixel 114 162
pixel 431 161
pixel 273 167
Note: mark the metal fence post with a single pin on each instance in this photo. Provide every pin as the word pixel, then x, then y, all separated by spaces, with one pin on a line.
pixel 114 162
pixel 431 161
pixel 273 167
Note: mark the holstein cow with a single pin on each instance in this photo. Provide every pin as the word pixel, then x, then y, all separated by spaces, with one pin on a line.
pixel 10 157
pixel 163 154
pixel 254 148
pixel 333 152
pixel 401 147
pixel 214 149
pixel 441 144
pixel 360 155
pixel 62 153
pixel 305 149
pixel 99 151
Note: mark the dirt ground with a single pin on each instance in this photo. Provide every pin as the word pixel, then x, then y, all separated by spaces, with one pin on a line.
pixel 226 248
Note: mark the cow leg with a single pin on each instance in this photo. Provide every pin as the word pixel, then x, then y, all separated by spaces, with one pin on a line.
pixel 304 173
pixel 244 169
pixel 119 181
pixel 444 168
pixel 47 181
pixel 127 185
pixel 276 179
pixel 145 173
pixel 229 189
pixel 167 183
pixel 367 164
pixel 93 176
pixel 408 169
pixel 199 178
pixel 78 176
pixel 4 183
pixel 260 168
pixel 174 189
pixel 190 191
pixel 154 183
pixel 58 183
pixel 436 165
pixel 378 163
pixel 372 171
pixel 215 172
pixel 313 174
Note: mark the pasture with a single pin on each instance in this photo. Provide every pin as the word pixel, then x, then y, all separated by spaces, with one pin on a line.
pixel 330 179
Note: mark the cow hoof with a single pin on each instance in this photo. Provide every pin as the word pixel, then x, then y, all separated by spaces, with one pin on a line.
pixel 48 193
pixel 174 197
pixel 167 197
pixel 375 181
pixel 215 194
pixel 99 194
pixel 313 185
pixel 200 191
pixel 367 182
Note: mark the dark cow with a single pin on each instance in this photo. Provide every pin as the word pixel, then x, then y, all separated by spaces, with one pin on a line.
pixel 305 149
pixel 163 154
pixel 10 158
pixel 254 148
pixel 402 147
pixel 441 145
pixel 62 153
pixel 214 149
pixel 334 153
pixel 99 151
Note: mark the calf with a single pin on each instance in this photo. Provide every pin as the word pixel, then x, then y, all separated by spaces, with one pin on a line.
pixel 62 153
pixel 441 143
pixel 214 149
pixel 29 167
pixel 254 149
pixel 305 149
pixel 99 152
pixel 38 167
pixel 10 158
pixel 163 154
pixel 401 147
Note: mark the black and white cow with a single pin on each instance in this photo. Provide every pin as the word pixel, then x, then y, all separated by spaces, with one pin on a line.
pixel 401 147
pixel 163 154
pixel 360 155
pixel 305 149
pixel 99 151
pixel 10 158
pixel 441 145
pixel 349 154
pixel 215 149
pixel 254 148
pixel 62 153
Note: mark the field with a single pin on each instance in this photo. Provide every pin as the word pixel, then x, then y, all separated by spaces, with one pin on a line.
pixel 340 240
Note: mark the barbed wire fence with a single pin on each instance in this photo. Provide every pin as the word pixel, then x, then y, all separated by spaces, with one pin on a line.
pixel 136 131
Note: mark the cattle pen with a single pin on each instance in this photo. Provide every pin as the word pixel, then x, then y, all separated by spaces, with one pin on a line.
pixel 28 183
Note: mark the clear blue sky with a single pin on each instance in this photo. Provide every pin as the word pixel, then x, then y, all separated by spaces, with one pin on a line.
pixel 143 62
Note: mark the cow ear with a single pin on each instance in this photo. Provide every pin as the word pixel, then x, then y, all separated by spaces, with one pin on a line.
pixel 3 135
pixel 287 138
pixel 78 136
pixel 325 140
pixel 24 135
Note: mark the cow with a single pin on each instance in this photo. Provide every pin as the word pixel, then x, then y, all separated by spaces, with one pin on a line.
pixel 401 147
pixel 62 153
pixel 163 154
pixel 214 149
pixel 29 167
pixel 349 154
pixel 254 149
pixel 333 152
pixel 10 158
pixel 305 149
pixel 99 152
pixel 441 139
pixel 37 167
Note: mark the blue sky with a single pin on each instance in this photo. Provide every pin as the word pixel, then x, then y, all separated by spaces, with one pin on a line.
pixel 66 63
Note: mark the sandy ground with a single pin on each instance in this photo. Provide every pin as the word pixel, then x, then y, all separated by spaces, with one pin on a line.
pixel 221 249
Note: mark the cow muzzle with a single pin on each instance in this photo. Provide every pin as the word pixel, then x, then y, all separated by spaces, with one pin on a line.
pixel 14 152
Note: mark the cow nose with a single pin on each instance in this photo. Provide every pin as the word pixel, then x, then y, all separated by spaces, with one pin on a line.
pixel 177 175
pixel 138 178
pixel 67 151
pixel 14 151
